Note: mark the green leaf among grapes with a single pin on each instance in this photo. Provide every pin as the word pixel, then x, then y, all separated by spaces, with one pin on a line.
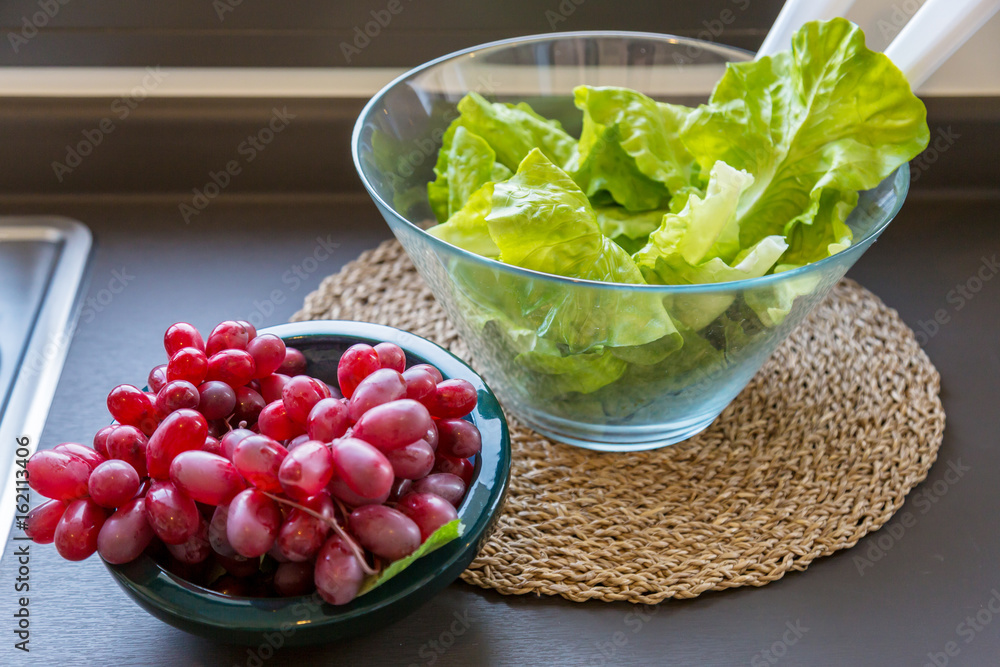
pixel 446 533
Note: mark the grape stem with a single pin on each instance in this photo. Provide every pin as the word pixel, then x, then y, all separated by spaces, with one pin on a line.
pixel 358 553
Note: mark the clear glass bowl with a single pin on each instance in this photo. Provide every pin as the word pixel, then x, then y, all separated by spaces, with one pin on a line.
pixel 726 330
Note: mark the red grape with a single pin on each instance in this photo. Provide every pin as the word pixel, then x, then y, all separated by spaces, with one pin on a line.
pixel 251 329
pixel 230 440
pixel 306 470
pixel 249 403
pixel 458 438
pixel 268 352
pixel 217 400
pixel 40 524
pixel 293 579
pixel 400 487
pixel 432 436
pixel 182 335
pixel 129 444
pixel 234 367
pixel 364 469
pixel 76 533
pixel 393 424
pixel 228 335
pixel 171 513
pixel 386 532
pixel 463 468
pixel 101 441
pixel 195 549
pixel 296 441
pixel 252 524
pixel 272 386
pixel 217 537
pixel 358 362
pixel 452 398
pixel 428 511
pixel 157 378
pixel 444 484
pixel 338 489
pixel 275 553
pixel 301 535
pixel 130 405
pixel 58 475
pixel 338 575
pixel 206 478
pixel 113 483
pixel 411 461
pixel 239 566
pixel 180 431
pixel 299 395
pixel 126 533
pixel 189 364
pixel 293 364
pixel 82 452
pixel 212 446
pixel 391 356
pixel 430 369
pixel 380 387
pixel 176 395
pixel 274 422
pixel 327 420
pixel 258 458
pixel 420 384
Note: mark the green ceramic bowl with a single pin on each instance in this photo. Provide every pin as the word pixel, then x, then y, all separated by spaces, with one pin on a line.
pixel 307 619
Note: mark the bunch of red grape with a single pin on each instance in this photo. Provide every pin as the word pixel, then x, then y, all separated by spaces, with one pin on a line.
pixel 239 471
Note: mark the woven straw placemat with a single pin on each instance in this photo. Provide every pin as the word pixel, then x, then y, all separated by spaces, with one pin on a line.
pixel 818 450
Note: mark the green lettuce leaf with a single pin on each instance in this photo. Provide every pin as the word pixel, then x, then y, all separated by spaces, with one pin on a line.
pixel 541 220
pixel 773 303
pixel 446 533
pixel 630 148
pixel 705 228
pixel 628 229
pixel 701 243
pixel 464 163
pixel 514 130
pixel 814 125
pixel 467 228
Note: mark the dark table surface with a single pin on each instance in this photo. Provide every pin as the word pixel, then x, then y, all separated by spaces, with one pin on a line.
pixel 908 594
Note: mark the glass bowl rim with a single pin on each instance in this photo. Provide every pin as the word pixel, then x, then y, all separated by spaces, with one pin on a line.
pixel 900 178
pixel 491 503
